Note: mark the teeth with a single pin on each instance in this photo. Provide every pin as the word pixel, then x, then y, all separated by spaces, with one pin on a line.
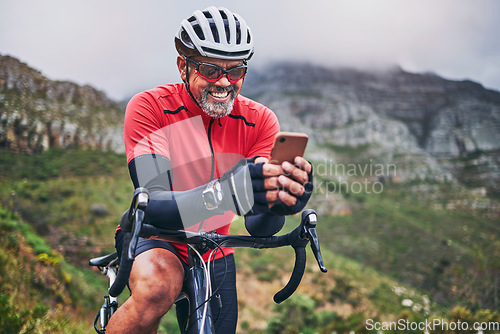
pixel 219 94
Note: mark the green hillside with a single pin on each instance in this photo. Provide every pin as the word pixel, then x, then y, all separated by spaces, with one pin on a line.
pixel 41 292
pixel 415 251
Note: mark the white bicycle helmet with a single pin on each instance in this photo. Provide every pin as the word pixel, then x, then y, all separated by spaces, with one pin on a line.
pixel 217 33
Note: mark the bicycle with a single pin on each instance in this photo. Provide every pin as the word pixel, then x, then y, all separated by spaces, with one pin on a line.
pixel 193 313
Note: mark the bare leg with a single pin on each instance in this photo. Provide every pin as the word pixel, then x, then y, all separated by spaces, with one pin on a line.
pixel 155 281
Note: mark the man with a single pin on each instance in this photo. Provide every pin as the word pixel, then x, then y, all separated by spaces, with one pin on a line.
pixel 201 149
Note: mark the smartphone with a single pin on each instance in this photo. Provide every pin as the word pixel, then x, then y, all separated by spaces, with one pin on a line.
pixel 288 145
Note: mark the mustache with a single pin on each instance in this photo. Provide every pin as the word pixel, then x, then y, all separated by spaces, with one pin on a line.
pixel 219 89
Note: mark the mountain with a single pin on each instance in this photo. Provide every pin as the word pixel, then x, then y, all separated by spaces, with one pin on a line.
pixel 425 247
pixel 442 117
pixel 37 113
pixel 430 127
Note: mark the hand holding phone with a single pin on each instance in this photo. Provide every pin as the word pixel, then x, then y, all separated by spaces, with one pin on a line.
pixel 288 186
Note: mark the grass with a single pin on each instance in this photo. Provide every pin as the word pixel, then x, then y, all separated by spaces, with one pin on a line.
pixel 41 292
pixel 419 241
pixel 433 250
pixel 74 199
pixel 53 195
pixel 59 162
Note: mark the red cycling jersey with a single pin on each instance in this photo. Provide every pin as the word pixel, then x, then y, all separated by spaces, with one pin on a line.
pixel 165 121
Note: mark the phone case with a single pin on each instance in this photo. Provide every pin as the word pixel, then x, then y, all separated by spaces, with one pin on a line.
pixel 287 146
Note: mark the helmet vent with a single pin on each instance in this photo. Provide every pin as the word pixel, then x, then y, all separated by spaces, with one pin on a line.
pixel 227 54
pixel 238 32
pixel 215 32
pixel 186 39
pixel 197 29
pixel 228 33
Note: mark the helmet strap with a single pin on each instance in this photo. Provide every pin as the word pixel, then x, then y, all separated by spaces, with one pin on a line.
pixel 188 87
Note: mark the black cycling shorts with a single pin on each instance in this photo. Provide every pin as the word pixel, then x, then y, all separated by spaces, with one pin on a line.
pixel 147 244
pixel 225 318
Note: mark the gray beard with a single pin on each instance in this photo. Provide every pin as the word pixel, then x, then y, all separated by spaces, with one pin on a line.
pixel 217 109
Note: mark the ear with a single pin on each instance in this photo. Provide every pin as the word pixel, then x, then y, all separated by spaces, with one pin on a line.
pixel 181 66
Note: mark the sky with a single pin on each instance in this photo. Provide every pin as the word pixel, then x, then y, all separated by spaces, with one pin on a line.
pixel 126 46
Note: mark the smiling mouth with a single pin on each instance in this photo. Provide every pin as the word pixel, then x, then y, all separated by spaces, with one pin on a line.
pixel 220 95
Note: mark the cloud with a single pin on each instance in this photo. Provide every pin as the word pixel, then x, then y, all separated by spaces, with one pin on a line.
pixel 124 46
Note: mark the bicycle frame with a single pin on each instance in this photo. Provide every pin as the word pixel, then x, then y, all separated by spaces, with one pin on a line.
pixel 199 318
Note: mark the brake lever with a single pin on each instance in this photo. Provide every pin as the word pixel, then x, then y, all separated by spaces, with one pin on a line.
pixel 310 221
pixel 138 207
pixel 140 199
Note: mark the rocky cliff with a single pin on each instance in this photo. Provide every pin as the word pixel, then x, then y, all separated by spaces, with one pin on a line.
pixel 397 108
pixel 37 113
pixel 429 126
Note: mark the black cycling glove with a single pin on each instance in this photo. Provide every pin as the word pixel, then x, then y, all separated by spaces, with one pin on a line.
pixel 280 208
pixel 245 183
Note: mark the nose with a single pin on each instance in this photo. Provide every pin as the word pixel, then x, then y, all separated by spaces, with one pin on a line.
pixel 223 81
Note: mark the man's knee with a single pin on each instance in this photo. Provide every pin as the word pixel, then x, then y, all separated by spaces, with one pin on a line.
pixel 156 278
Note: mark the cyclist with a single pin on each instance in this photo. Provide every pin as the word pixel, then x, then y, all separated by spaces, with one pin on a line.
pixel 185 143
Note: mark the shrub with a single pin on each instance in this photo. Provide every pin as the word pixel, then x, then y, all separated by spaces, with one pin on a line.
pixel 10 320
pixel 296 315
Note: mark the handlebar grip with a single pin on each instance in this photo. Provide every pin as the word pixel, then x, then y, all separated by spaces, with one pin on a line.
pixel 137 213
pixel 298 272
pixel 123 270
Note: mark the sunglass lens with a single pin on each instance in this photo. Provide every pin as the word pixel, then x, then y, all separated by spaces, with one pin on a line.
pixel 209 71
pixel 236 74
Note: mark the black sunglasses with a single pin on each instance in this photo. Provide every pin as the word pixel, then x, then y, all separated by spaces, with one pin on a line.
pixel 213 73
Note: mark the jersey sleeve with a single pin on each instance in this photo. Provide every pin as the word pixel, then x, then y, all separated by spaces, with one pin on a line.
pixel 143 131
pixel 267 129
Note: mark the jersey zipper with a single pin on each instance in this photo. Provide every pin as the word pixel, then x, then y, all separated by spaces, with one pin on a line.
pixel 212 172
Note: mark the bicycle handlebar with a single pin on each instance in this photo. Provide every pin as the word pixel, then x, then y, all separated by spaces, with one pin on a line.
pixel 304 233
pixel 298 239
pixel 135 216
pixel 124 269
pixel 297 273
